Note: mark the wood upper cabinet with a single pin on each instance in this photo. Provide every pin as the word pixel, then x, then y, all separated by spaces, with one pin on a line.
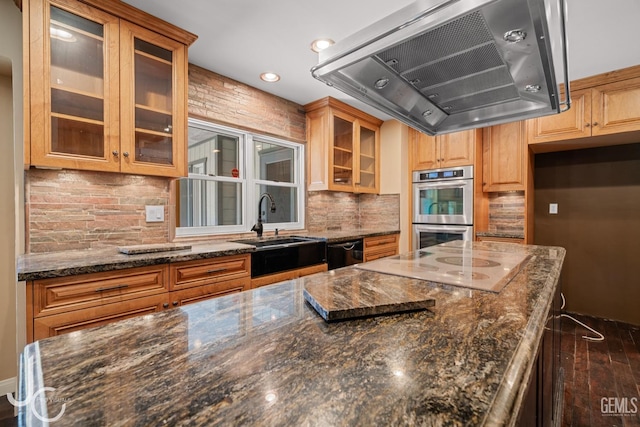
pixel 504 157
pixel 104 94
pixel 449 150
pixel 571 124
pixel 607 109
pixel 615 107
pixel 343 148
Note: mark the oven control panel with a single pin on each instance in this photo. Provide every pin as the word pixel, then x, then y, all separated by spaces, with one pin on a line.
pixel 464 172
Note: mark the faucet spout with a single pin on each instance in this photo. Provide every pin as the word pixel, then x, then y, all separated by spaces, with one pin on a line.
pixel 258 228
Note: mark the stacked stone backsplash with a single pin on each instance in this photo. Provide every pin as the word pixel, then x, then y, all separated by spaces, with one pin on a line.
pixel 69 209
pixel 331 211
pixel 79 210
pixel 506 212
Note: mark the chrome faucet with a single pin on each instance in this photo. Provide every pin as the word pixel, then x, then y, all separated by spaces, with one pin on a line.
pixel 258 227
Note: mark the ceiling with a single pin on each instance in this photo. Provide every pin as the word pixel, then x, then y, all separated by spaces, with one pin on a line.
pixel 240 39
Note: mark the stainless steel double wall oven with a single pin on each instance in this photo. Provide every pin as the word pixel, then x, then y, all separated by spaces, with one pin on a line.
pixel 442 206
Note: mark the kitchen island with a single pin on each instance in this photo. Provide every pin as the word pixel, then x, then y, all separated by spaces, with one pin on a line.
pixel 265 357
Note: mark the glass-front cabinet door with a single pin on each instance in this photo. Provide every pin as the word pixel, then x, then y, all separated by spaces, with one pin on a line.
pixel 367 160
pixel 153 102
pixel 343 153
pixel 76 124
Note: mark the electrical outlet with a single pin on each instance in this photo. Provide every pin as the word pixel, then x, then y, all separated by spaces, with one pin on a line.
pixel 553 208
pixel 155 213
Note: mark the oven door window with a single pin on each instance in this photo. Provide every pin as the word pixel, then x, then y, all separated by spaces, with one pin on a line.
pixel 428 238
pixel 441 201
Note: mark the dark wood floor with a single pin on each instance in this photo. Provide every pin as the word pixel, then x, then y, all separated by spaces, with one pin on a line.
pixel 593 371
pixel 597 370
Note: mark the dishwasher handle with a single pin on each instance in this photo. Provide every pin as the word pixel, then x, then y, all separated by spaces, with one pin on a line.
pixel 347 246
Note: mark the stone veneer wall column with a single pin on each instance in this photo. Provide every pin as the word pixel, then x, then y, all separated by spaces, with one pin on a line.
pixel 79 209
pixel 506 212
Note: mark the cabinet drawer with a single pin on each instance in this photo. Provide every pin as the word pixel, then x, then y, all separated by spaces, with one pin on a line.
pixel 195 273
pixel 380 254
pixel 63 323
pixel 380 247
pixel 203 292
pixel 375 243
pixel 63 294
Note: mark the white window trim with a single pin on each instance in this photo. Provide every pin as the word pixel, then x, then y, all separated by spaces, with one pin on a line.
pixel 249 182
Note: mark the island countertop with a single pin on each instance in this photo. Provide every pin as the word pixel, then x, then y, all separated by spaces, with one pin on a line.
pixel 265 357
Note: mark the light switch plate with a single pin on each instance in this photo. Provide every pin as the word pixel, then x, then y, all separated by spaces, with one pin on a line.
pixel 155 213
pixel 553 208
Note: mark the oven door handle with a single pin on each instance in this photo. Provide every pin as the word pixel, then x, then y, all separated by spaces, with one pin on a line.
pixel 440 229
pixel 447 184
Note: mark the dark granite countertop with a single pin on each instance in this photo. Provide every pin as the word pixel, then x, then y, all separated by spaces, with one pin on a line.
pixel 265 357
pixel 501 234
pixel 65 263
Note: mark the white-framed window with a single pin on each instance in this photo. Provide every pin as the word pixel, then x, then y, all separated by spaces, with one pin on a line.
pixel 229 170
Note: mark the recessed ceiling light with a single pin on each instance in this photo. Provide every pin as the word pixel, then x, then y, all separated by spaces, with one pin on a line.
pixel 321 44
pixel 269 77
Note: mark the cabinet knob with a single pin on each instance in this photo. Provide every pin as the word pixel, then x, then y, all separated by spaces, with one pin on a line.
pixel 595 123
pixel 175 303
pixel 115 153
pixel 165 305
pixel 126 154
pixel 587 125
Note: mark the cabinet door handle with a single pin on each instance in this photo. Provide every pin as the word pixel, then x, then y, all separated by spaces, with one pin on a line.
pixel 215 270
pixel 115 153
pixel 112 288
pixel 165 305
pixel 175 303
pixel 126 154
pixel 595 123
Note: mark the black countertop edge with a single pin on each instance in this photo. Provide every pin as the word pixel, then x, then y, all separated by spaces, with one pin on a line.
pixel 501 234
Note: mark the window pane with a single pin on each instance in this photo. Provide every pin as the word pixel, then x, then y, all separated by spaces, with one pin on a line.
pixel 212 153
pixel 286 201
pixel 274 162
pixel 205 203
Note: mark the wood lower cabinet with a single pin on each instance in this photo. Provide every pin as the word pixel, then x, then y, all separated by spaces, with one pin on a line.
pixel 193 281
pixel 449 150
pixel 287 275
pixel 504 158
pixel 380 246
pixel 202 292
pixel 66 304
pixel 63 323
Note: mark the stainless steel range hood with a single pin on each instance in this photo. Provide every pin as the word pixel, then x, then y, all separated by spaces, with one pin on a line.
pixel 447 65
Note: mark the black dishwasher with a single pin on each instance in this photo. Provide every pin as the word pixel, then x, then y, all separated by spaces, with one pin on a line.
pixel 343 254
